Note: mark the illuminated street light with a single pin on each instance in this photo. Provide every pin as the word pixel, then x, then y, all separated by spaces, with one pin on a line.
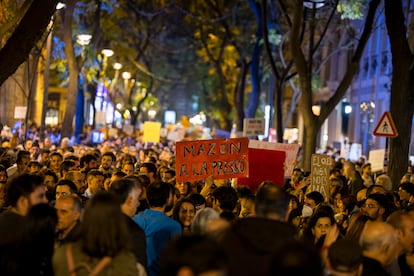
pixel 117 66
pixel 83 39
pixel 107 52
pixel 151 114
pixel 60 5
pixel 126 75
pixel 314 4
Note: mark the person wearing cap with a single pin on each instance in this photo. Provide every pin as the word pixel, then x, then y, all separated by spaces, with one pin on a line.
pixel 379 244
pixel 345 258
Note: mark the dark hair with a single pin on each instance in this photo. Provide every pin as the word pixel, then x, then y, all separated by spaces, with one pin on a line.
pixel 197 252
pixel 95 172
pixel 408 187
pixel 151 167
pixel 158 193
pixel 55 153
pixel 51 173
pixel 122 188
pixel 41 224
pixel 86 159
pixel 177 206
pixel 349 202
pixel 197 199
pixel 110 154
pixel 227 197
pixel 144 180
pixel 66 165
pixel 271 199
pixel 102 236
pixel 296 258
pixel 322 211
pixel 21 154
pixel 119 174
pixel 315 196
pixel 67 182
pixel 23 185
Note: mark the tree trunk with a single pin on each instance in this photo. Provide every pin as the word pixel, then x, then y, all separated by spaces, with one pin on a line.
pixel 309 144
pixel 72 90
pixel 401 89
pixel 27 33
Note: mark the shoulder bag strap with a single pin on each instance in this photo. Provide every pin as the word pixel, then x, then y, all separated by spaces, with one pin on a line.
pixel 69 258
pixel 101 265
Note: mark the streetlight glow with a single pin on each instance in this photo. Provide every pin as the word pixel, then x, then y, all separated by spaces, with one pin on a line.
pixel 60 5
pixel 117 66
pixel 126 75
pixel 107 52
pixel 83 39
pixel 314 4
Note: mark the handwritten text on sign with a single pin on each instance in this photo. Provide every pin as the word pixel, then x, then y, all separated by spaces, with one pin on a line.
pixel 320 167
pixel 221 158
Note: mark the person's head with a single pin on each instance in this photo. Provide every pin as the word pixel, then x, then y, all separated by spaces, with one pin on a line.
pixel 102 236
pixel 128 168
pixel 68 208
pixel 95 181
pixel 25 191
pixel 183 188
pixel 201 220
pixel 356 226
pixel 271 201
pixel 41 224
pixel 320 222
pixel 335 184
pixel 50 179
pixel 296 258
pixel 404 224
pixel 198 200
pixel 78 178
pixel 65 187
pixel 385 181
pixel 347 204
pixel 376 189
pixel 366 169
pixel 66 166
pixel 379 241
pixel 108 160
pixel 149 169
pixel 313 199
pixel 55 158
pixel 117 175
pixel 349 169
pixel 22 160
pixel 405 190
pixel 224 198
pixel 183 212
pixel 159 194
pixel 297 175
pixel 194 255
pixel 128 193
pixel 376 206
pixel 345 258
pixel 89 161
pixel 33 166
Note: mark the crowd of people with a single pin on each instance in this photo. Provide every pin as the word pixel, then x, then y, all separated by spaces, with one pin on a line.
pixel 113 210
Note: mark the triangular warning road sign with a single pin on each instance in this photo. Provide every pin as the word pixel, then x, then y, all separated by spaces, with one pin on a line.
pixel 386 126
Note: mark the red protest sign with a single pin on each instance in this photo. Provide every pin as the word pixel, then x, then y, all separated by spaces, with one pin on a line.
pixel 264 165
pixel 220 158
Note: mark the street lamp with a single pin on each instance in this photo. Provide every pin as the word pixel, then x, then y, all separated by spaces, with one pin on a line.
pixel 313 4
pixel 107 52
pixel 83 39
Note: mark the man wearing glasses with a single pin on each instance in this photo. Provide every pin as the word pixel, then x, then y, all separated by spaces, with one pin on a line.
pixel 377 207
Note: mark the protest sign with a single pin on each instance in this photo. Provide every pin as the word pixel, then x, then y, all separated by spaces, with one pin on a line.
pixel 264 165
pixel 376 158
pixel 220 158
pixel 152 132
pixel 291 151
pixel 253 127
pixel 320 168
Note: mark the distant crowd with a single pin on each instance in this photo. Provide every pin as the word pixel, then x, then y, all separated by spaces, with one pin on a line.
pixel 117 209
